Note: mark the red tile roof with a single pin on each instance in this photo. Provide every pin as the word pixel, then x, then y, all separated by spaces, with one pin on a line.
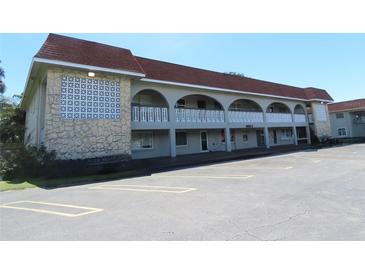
pixel 67 49
pixel 164 71
pixel 347 105
pixel 63 48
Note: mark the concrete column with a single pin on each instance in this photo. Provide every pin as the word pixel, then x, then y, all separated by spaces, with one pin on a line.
pixel 227 136
pixel 267 137
pixel 172 142
pixel 295 135
pixel 308 135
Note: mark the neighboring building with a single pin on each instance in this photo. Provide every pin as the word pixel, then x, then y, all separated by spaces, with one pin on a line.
pixel 348 119
pixel 87 100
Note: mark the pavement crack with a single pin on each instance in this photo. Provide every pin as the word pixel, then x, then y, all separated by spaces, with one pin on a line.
pixel 291 218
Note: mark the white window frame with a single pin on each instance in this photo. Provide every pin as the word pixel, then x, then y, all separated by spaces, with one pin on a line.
pixel 245 133
pixel 186 134
pixel 284 136
pixel 339 130
pixel 338 115
pixel 143 148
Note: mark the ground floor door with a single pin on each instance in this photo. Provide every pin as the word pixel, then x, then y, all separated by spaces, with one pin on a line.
pixel 274 136
pixel 260 137
pixel 204 141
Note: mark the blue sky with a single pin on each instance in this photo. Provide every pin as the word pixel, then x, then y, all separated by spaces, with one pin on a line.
pixel 335 62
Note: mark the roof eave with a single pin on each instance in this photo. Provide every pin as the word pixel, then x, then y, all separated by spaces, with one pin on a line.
pixel 88 67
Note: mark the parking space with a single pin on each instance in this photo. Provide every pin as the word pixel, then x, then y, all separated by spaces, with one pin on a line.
pixel 308 195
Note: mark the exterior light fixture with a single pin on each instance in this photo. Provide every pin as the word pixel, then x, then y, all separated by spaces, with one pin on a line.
pixel 91 74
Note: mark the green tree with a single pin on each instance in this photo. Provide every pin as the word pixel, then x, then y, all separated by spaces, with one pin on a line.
pixel 2 84
pixel 12 122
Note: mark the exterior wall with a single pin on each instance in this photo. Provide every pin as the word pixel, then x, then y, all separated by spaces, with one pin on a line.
pixel 322 125
pixel 194 145
pixel 280 141
pixel 352 129
pixel 31 120
pixel 81 139
pixel 161 146
pixel 34 121
pixel 238 139
pixel 337 123
pixel 358 130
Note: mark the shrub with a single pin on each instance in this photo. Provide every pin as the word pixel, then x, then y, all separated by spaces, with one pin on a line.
pixel 25 162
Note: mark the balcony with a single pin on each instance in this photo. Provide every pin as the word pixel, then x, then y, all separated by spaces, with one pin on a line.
pixel 245 117
pixel 300 118
pixel 148 114
pixel 279 118
pixel 186 115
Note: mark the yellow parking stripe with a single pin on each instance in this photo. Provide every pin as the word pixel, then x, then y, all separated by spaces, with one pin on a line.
pixel 145 188
pixel 52 212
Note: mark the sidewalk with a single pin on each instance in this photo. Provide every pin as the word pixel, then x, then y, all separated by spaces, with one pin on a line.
pixel 166 163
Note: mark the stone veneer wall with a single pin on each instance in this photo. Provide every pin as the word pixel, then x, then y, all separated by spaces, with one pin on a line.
pixel 322 128
pixel 86 138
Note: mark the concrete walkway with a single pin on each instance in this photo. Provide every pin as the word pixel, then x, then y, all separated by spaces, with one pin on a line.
pixel 167 163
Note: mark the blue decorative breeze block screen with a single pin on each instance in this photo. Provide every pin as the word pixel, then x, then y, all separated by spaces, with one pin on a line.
pixel 88 98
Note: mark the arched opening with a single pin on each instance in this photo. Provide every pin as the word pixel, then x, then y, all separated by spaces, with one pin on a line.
pixel 299 110
pixel 278 113
pixel 278 108
pixel 245 111
pixel 245 105
pixel 149 105
pixel 299 114
pixel 198 108
pixel 198 102
pixel 149 98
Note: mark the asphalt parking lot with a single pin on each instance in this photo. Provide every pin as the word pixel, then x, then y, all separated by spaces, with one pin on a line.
pixel 308 195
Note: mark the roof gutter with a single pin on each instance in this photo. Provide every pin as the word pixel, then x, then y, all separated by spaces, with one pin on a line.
pixel 229 90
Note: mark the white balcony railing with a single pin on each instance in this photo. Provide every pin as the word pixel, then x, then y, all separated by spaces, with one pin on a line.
pixel 149 114
pixel 245 117
pixel 186 115
pixel 299 118
pixel 278 118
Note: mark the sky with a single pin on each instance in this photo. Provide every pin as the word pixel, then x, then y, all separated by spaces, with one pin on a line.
pixel 334 62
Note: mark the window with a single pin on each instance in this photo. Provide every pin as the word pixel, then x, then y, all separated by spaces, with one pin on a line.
pixel 223 136
pixel 181 103
pixel 339 115
pixel 201 104
pixel 286 134
pixel 342 132
pixel 245 137
pixel 232 137
pixel 142 140
pixel 181 138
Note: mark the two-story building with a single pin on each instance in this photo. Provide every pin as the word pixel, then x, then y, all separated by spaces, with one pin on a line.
pixel 86 100
pixel 347 119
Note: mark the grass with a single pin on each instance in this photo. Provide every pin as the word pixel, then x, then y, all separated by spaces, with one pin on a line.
pixel 67 181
